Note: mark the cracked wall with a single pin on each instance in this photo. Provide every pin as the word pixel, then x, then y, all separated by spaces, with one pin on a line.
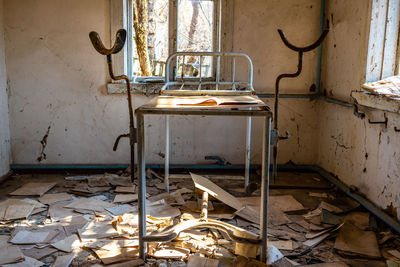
pixel 360 154
pixel 58 79
pixel 4 115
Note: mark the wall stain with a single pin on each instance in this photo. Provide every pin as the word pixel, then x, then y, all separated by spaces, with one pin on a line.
pixel 43 142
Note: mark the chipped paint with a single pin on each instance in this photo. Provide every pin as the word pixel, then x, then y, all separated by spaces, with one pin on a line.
pixel 359 153
pixel 63 69
pixel 4 115
pixel 43 142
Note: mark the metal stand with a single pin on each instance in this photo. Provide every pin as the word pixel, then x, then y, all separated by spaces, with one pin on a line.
pixel 275 131
pixel 117 47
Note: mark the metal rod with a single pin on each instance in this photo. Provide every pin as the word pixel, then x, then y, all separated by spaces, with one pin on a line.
pixel 183 70
pixel 265 188
pixel 204 206
pixel 218 72
pixel 166 165
pixel 393 223
pixel 233 73
pixel 248 153
pixel 200 71
pixel 336 101
pixel 141 185
pixel 211 54
pixel 319 59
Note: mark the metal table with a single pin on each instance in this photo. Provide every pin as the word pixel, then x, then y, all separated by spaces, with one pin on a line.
pixel 161 106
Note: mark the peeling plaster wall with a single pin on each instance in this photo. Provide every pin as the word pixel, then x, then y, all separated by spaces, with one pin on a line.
pixel 4 116
pixel 359 153
pixel 61 113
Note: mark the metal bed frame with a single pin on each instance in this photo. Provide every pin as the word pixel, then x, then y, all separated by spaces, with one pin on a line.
pixel 196 84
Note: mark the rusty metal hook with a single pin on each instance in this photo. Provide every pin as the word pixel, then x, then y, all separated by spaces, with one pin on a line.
pixel 119 43
pixel 357 113
pixel 305 48
pixel 380 122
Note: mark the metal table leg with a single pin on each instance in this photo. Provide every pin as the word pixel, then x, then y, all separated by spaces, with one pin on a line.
pixel 166 159
pixel 265 188
pixel 248 153
pixel 141 185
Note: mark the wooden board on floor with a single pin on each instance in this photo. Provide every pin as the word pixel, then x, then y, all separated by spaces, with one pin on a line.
pixel 285 203
pixel 63 261
pixel 216 191
pixel 28 262
pixel 354 241
pixel 18 211
pixel 89 204
pixel 125 198
pixel 49 199
pixel 126 189
pixel 67 244
pixel 116 250
pixel 38 253
pixel 8 252
pixel 33 237
pixel 197 261
pixel 33 189
pixel 96 230
pixel 121 209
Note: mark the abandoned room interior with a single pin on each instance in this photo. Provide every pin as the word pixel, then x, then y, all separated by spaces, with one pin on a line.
pixel 199 133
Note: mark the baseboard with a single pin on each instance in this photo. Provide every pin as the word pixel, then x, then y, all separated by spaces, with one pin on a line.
pixel 6 176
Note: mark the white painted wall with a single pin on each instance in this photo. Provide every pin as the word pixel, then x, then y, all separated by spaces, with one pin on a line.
pixel 4 116
pixel 58 80
pixel 361 154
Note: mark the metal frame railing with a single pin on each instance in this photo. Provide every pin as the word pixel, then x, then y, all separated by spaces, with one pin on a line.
pixel 195 85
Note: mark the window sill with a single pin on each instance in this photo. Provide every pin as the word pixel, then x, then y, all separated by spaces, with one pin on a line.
pixel 381 102
pixel 137 88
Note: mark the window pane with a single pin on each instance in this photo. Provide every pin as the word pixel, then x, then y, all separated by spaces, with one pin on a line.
pixel 195 33
pixel 157 39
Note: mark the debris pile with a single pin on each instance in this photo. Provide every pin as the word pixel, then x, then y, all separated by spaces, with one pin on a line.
pixel 93 221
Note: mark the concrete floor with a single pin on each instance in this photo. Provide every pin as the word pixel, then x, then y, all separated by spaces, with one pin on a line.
pixel 299 185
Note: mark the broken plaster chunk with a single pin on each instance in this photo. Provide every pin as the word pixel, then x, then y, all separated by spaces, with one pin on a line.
pixel 273 254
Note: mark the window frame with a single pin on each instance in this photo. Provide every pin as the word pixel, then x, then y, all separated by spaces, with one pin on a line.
pixel 383 42
pixel 121 13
